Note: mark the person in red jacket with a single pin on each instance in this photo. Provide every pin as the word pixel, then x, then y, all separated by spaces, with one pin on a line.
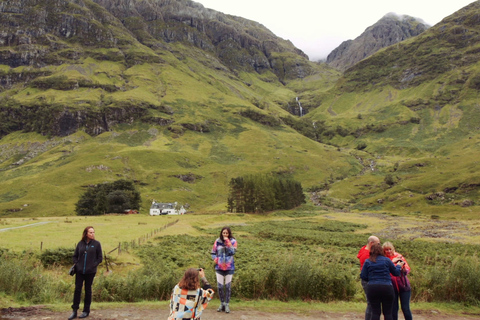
pixel 363 255
pixel 401 284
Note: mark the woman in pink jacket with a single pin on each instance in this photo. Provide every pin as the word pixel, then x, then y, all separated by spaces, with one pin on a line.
pixel 222 253
pixel 401 284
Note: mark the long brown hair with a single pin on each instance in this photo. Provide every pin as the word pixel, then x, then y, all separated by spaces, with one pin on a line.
pixel 230 235
pixel 190 280
pixel 375 251
pixel 85 232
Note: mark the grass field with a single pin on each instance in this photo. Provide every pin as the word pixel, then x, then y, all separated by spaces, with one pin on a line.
pixel 326 240
pixel 30 233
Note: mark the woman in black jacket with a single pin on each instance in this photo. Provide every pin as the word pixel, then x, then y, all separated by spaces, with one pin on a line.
pixel 87 256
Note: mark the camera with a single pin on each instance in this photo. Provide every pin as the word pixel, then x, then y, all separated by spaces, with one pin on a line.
pixel 199 269
pixel 399 261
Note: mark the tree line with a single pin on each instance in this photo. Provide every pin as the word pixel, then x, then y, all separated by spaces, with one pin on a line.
pixel 261 193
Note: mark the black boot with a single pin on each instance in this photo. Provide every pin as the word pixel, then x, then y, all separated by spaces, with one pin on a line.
pixel 84 314
pixel 73 315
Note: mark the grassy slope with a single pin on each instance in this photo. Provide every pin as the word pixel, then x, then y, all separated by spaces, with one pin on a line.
pixel 441 152
pixel 425 134
pixel 50 181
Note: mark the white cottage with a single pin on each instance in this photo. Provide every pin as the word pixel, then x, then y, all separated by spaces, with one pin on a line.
pixel 158 209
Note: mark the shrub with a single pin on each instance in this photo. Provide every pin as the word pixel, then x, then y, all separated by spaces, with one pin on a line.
pixel 26 280
pixel 361 146
pixel 59 256
pixel 389 180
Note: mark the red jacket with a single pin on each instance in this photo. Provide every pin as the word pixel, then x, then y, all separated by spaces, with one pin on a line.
pixel 363 255
pixel 398 281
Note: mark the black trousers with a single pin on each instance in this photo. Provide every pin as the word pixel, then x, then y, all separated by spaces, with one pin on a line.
pixel 381 299
pixel 79 280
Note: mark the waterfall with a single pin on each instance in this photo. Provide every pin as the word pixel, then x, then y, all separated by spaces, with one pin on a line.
pixel 299 107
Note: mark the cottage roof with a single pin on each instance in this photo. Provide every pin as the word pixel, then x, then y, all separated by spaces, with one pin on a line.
pixel 160 205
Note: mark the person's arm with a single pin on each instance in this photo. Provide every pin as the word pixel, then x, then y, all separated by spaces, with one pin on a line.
pixel 405 267
pixel 395 269
pixel 76 254
pixel 214 252
pixel 206 284
pixel 364 272
pixel 99 253
pixel 231 246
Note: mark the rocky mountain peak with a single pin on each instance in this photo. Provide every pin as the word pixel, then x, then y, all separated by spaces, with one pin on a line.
pixel 391 29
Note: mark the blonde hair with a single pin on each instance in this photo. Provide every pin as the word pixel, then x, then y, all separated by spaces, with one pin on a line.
pixel 388 245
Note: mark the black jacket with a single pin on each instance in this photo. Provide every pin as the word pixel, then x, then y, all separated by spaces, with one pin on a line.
pixel 87 257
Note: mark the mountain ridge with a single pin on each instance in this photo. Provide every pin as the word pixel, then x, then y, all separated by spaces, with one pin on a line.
pixel 150 105
pixel 390 29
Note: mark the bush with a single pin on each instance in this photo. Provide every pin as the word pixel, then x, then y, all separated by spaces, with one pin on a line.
pixel 389 180
pixel 361 146
pixel 287 277
pixel 26 280
pixel 461 283
pixel 60 256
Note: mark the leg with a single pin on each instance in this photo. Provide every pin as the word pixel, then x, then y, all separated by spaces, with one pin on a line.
pixel 78 291
pixel 228 291
pixel 228 287
pixel 368 310
pixel 221 291
pixel 405 303
pixel 395 305
pixel 387 296
pixel 375 299
pixel 88 292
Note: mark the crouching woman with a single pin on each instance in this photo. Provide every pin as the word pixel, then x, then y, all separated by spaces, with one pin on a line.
pixel 189 299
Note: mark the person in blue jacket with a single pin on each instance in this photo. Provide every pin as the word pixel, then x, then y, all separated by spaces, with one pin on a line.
pixel 87 256
pixel 222 254
pixel 376 271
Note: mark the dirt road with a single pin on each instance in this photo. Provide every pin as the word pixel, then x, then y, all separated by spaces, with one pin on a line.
pixel 40 313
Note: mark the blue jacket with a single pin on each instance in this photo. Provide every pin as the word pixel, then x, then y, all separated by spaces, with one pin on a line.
pixel 222 254
pixel 379 272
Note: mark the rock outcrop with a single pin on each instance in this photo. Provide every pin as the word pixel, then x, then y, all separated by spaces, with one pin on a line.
pixel 387 31
pixel 40 33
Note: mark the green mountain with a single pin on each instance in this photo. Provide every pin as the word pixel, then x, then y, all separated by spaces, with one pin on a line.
pixel 413 108
pixel 167 93
pixel 181 99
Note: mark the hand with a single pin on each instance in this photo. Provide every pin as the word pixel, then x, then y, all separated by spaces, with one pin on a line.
pixel 225 238
pixel 201 273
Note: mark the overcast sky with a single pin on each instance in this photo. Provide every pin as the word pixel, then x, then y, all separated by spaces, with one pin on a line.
pixel 318 26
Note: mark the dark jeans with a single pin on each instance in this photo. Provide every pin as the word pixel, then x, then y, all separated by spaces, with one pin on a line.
pixel 404 302
pixel 381 299
pixel 79 280
pixel 368 311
